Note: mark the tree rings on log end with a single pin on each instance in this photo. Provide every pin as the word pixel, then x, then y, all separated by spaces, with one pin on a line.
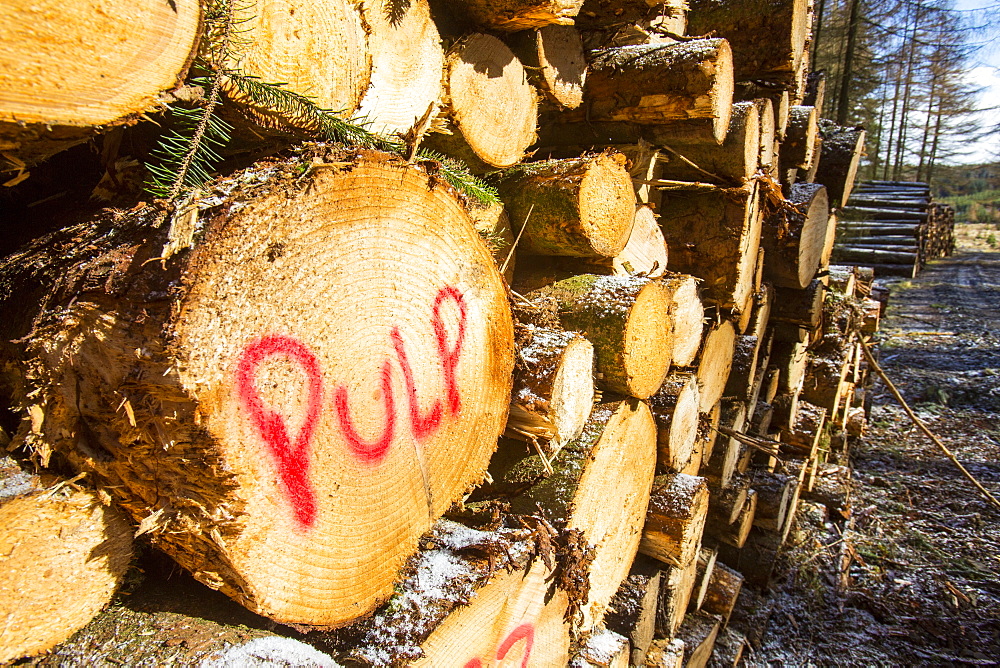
pixel 62 555
pixel 305 390
pixel 330 36
pixel 489 100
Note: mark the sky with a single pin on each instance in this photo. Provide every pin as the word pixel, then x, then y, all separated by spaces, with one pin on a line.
pixel 985 74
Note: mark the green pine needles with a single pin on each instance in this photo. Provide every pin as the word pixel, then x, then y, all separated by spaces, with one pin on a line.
pixel 188 154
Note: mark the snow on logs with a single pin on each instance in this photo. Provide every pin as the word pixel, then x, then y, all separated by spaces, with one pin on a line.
pixel 63 553
pixel 314 362
pixel 627 320
pixel 66 69
pixel 654 84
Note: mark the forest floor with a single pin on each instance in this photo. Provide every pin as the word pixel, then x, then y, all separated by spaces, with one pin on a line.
pixel 923 582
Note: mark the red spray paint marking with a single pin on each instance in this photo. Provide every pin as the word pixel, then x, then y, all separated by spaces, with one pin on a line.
pixel 423 426
pixel 525 631
pixel 449 358
pixel 370 452
pixel 292 459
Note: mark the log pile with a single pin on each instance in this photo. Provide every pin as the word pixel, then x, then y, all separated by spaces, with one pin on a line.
pixel 894 227
pixel 573 425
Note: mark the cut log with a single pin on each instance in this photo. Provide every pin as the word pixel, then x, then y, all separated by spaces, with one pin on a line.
pixel 824 380
pixel 849 228
pixel 582 207
pixel 407 61
pixel 741 376
pixel 665 654
pixel 614 459
pixel 63 553
pixel 626 319
pixel 729 647
pixel 632 612
pixel 884 214
pixel 264 430
pixel 794 236
pixel 807 430
pixel 815 94
pixel 756 558
pixel 645 251
pixel 800 307
pixel 706 566
pixel 733 161
pixel 768 36
pixel 774 496
pixel 67 71
pixel 799 145
pixel 676 587
pixel 726 503
pixel 687 317
pixel 723 591
pixel 708 430
pixel 490 110
pixel 734 534
pixel 840 157
pixel 715 363
pixel 870 256
pixel 675 408
pixel 678 506
pixel 554 59
pixel 516 15
pixel 698 633
pixel 791 360
pixel 659 83
pixel 553 387
pixel 721 466
pixel 330 35
pixel 453 607
pixel 603 649
pixel 714 235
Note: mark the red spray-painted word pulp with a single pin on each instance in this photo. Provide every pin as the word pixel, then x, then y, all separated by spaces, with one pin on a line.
pixel 292 457
pixel 524 632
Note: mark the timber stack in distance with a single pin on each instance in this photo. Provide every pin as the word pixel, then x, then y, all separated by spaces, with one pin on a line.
pixel 562 413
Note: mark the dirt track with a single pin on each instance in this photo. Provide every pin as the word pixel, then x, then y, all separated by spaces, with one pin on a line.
pixel 924 580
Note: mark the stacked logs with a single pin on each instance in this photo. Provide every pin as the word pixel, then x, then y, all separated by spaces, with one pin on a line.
pixel 894 227
pixel 574 449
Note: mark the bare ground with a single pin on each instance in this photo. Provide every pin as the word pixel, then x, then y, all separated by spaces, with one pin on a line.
pixel 923 582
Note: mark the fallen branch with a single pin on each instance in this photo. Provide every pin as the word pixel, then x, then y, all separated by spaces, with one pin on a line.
pixel 917 421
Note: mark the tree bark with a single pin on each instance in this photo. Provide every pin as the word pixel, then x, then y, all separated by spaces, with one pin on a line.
pixel 723 591
pixel 195 376
pixel 678 507
pixel 714 235
pixel 698 633
pixel 660 83
pixel 516 15
pixel 69 71
pixel 732 162
pixel 768 37
pixel 632 611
